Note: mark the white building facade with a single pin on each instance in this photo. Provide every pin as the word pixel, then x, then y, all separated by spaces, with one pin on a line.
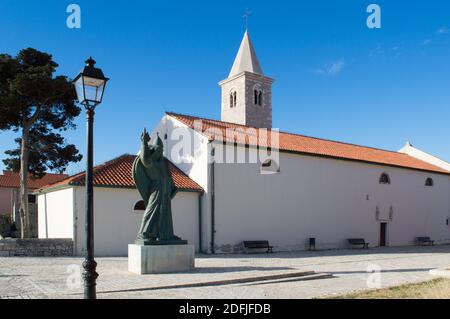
pixel 320 189
pixel 117 215
pixel 309 196
pixel 285 188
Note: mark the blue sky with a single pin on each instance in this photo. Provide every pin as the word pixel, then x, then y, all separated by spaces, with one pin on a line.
pixel 335 78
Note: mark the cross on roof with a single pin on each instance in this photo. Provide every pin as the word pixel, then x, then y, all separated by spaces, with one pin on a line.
pixel 247 14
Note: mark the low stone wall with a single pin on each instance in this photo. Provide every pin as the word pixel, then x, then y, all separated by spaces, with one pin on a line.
pixel 36 247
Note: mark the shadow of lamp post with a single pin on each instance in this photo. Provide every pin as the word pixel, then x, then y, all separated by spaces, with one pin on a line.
pixel 90 85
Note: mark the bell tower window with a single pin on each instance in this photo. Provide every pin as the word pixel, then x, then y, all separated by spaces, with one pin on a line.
pixel 233 99
pixel 257 95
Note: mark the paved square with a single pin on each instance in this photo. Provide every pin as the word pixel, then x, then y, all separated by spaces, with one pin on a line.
pixel 59 277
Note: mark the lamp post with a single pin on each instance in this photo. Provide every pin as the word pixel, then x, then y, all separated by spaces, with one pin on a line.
pixel 90 85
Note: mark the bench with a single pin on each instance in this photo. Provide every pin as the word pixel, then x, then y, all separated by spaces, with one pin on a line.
pixel 258 244
pixel 424 241
pixel 358 242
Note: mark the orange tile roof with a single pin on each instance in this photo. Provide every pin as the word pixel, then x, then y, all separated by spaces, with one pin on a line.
pixel 118 173
pixel 306 145
pixel 12 180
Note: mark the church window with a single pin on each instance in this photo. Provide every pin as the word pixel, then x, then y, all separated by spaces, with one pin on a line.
pixel 233 99
pixel 267 163
pixel 257 96
pixel 139 206
pixel 429 182
pixel 385 179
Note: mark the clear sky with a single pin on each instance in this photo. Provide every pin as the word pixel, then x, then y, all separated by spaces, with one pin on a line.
pixel 335 78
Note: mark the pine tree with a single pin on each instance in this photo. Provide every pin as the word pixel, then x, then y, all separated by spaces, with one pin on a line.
pixel 39 106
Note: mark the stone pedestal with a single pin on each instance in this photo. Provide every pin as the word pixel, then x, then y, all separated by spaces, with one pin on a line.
pixel 160 259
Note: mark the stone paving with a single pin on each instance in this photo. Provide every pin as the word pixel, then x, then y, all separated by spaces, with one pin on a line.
pixel 60 277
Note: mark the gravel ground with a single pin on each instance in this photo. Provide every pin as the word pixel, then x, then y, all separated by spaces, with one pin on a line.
pixel 352 270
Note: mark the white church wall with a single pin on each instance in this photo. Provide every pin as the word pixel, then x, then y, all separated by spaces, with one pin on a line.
pixel 328 199
pixel 55 214
pixel 117 224
pixel 422 211
pixel 193 163
pixel 185 217
pixel 186 148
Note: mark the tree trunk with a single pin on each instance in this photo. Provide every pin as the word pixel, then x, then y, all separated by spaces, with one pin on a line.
pixel 24 209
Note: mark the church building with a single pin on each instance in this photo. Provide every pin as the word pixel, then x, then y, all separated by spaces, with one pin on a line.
pixel 242 180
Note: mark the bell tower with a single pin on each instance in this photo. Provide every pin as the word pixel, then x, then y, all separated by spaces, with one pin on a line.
pixel 247 92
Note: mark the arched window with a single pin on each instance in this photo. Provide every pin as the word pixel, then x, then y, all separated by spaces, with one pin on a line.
pixel 385 179
pixel 257 94
pixel 233 98
pixel 267 163
pixel 139 206
pixel 429 182
pixel 269 166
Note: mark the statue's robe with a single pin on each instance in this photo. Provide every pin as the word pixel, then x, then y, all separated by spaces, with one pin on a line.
pixel 154 182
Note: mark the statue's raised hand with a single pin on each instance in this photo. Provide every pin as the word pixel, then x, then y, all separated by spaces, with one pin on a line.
pixel 145 137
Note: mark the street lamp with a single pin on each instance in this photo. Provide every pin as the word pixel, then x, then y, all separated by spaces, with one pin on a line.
pixel 90 85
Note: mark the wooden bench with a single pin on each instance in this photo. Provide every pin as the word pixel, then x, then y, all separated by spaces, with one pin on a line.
pixel 424 241
pixel 358 242
pixel 258 244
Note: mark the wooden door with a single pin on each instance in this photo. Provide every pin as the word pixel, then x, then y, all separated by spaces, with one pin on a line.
pixel 383 229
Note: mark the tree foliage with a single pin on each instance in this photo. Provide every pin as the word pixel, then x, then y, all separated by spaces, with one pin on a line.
pixel 39 105
pixel 32 98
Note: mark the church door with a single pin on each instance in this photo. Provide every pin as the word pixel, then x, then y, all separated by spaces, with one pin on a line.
pixel 383 232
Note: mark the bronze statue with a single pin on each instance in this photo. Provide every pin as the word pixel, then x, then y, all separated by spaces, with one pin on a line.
pixel 153 180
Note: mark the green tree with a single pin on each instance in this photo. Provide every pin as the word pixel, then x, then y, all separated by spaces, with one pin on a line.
pixel 38 105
